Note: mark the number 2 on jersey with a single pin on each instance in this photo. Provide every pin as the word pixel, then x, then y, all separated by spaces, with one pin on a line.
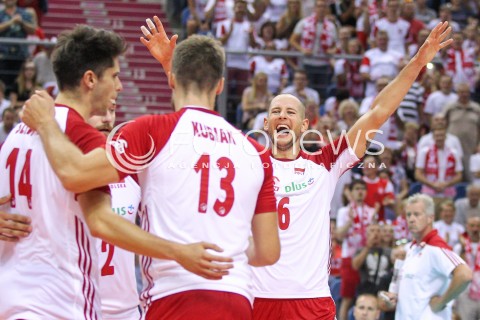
pixel 107 269
pixel 24 186
pixel 222 208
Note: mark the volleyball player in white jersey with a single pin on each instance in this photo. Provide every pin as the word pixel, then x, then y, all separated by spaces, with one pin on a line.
pixel 53 273
pixel 297 285
pixel 201 179
pixel 118 284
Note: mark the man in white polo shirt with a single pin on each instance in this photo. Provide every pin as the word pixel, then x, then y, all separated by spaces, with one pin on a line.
pixel 432 274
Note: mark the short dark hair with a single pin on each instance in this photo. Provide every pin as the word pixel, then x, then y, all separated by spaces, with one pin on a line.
pixel 81 49
pixel 198 62
pixel 7 110
pixel 355 182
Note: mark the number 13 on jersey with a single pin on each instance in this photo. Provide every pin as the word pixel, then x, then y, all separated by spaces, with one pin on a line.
pixel 222 208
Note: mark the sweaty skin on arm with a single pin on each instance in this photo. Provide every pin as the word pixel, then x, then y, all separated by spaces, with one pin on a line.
pixel 105 224
pixel 388 100
pixel 264 248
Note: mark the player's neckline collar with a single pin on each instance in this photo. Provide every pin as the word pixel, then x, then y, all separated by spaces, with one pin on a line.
pixel 202 109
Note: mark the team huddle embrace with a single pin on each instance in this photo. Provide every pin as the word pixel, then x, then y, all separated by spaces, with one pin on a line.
pixel 225 238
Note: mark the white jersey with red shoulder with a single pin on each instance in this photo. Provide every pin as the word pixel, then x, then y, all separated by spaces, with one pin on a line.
pixel 53 273
pixel 304 188
pixel 118 284
pixel 201 180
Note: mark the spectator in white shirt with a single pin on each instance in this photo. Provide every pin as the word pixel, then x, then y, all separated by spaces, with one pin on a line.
pixel 300 90
pixel 437 100
pixel 469 206
pixel 447 228
pixel 452 141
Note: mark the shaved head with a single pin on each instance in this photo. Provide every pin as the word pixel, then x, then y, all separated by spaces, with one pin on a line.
pixel 286 97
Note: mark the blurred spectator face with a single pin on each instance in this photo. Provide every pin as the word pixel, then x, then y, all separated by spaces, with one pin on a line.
pixel 29 70
pixel 473 195
pixel 370 167
pixel 366 308
pixel 386 157
pixel 411 133
pixel 344 34
pixel 470 32
pixel 320 8
pixel 408 10
pixel 267 32
pixel 387 234
pixel 260 80
pixel 392 8
pixel 463 91
pixel 354 46
pixel 447 213
pixel 444 14
pixel 438 120
pixel 439 136
pixel 293 5
pixel 373 231
pixel 359 192
pixel 457 41
pixel 383 174
pixel 421 3
pixel 325 124
pixel 10 3
pixel 445 84
pixel 382 41
pixel 473 228
pixel 300 80
pixel 240 8
pixel 8 120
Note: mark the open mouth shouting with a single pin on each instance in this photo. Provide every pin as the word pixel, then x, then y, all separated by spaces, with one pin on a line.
pixel 282 131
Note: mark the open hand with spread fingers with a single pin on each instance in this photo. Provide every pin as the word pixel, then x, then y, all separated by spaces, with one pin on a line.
pixel 435 42
pixel 157 42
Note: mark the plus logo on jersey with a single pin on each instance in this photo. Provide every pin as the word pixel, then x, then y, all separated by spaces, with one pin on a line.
pixel 297 186
pixel 122 211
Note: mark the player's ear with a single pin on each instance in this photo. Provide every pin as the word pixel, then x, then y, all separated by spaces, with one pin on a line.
pixel 265 124
pixel 90 79
pixel 220 85
pixel 171 80
pixel 304 127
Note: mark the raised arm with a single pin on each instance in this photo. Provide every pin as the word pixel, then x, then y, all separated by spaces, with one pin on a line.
pixel 105 224
pixel 388 100
pixel 157 42
pixel 78 172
